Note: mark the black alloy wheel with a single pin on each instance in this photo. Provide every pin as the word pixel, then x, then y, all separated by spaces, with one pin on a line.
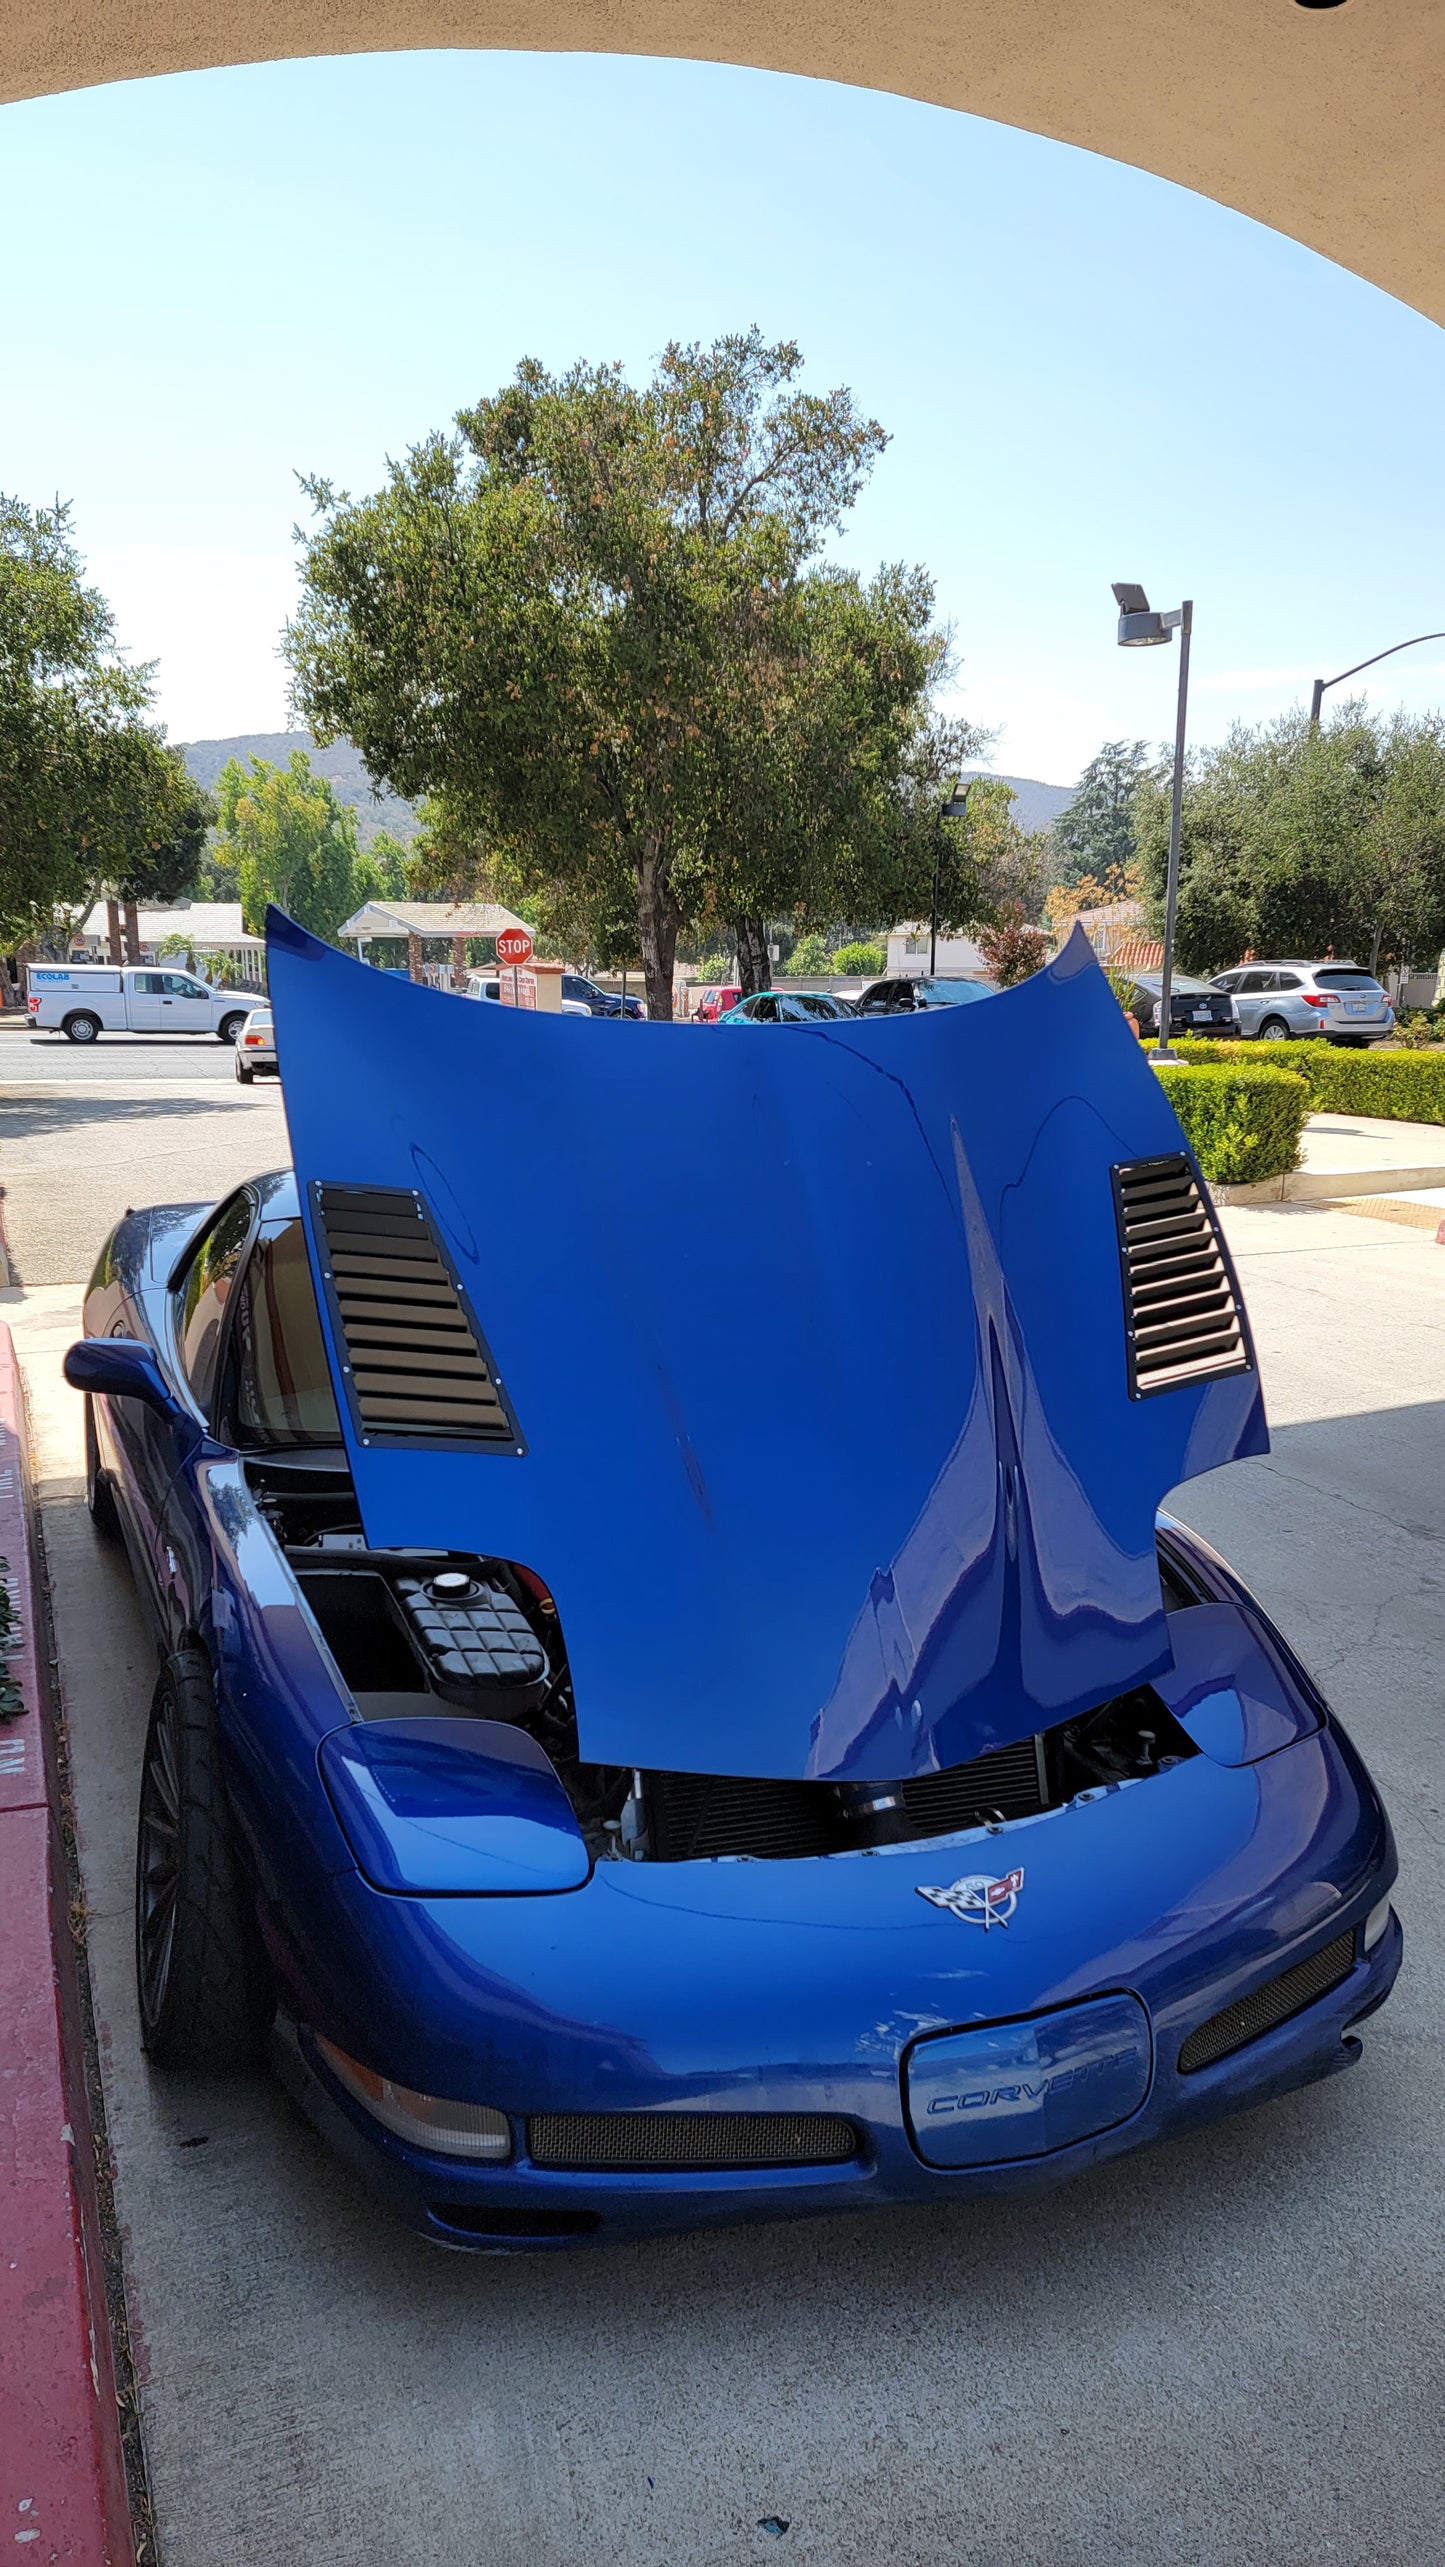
pixel 99 1495
pixel 81 1028
pixel 1275 1030
pixel 200 1978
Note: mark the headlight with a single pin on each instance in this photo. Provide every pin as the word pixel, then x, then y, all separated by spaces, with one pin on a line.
pixel 1375 1924
pixel 428 2121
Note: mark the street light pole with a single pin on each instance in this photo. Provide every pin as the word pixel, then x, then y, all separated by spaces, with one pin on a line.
pixel 955 808
pixel 1322 682
pixel 1141 625
pixel 1162 1048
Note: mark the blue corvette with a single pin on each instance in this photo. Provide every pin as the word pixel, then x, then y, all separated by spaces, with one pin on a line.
pixel 610 1827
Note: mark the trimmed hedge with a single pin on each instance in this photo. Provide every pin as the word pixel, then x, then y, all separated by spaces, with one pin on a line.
pixel 1405 1087
pixel 1243 1124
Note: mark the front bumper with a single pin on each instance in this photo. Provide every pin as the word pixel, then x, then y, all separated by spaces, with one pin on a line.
pixel 525 2208
pixel 803 1987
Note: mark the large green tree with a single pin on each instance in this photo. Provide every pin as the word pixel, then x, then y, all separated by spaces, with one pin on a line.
pixel 562 619
pixel 292 842
pixel 90 795
pixel 1095 835
pixel 1304 841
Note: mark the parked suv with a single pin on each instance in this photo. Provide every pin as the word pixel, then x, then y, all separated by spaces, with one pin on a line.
pixel 1336 1000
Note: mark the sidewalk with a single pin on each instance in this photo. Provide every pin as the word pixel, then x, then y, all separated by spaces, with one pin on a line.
pixel 62 2471
pixel 1344 1154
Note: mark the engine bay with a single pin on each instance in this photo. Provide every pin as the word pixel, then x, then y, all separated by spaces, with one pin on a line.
pixel 416 1632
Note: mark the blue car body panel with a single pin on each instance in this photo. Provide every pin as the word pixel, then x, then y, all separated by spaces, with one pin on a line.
pixel 424 1895
pixel 961 1549
pixel 470 1806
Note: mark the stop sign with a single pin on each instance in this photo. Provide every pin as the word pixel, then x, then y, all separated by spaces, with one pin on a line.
pixel 514 945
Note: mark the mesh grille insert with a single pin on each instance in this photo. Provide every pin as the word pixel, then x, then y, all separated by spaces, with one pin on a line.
pixel 419 1371
pixel 1183 1320
pixel 1274 2003
pixel 676 2142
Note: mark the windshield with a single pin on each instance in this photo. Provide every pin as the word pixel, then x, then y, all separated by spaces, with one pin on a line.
pixel 283 1385
pixel 953 993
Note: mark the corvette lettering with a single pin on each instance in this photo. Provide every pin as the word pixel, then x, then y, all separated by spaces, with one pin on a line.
pixel 977 1900
pixel 1023 2090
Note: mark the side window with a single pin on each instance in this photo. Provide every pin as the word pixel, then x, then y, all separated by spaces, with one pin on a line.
pixel 1288 980
pixel 149 984
pixel 282 1383
pixel 1250 984
pixel 205 1291
pixel 177 986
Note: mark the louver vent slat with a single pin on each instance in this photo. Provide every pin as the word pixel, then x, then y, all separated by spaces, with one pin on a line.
pixel 418 1367
pixel 1182 1316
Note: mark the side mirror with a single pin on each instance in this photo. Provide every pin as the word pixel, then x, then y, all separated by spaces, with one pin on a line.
pixel 121 1368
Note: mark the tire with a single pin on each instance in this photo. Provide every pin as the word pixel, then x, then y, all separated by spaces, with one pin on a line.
pixel 99 1495
pixel 1275 1030
pixel 200 1979
pixel 230 1026
pixel 244 1074
pixel 82 1027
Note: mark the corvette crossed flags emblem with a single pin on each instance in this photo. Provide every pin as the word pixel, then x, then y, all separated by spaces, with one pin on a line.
pixel 976 1900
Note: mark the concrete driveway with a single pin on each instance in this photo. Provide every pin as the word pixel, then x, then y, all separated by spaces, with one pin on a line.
pixel 1224 2351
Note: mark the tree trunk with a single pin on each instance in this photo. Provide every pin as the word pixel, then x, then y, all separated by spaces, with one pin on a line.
pixel 459 962
pixel 112 929
pixel 413 958
pixel 132 932
pixel 755 971
pixel 658 920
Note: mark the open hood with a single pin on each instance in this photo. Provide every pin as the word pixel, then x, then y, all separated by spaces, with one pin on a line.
pixel 830 1376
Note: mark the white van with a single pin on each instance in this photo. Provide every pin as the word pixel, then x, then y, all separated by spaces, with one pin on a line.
pixel 82 1001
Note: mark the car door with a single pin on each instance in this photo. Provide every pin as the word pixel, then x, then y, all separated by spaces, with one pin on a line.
pixel 144 991
pixel 149 1448
pixel 185 1006
pixel 1251 991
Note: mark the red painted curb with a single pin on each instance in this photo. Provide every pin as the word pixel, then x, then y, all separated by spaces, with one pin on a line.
pixel 62 2471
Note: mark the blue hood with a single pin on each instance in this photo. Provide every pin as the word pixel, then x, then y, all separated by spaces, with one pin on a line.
pixel 818 1406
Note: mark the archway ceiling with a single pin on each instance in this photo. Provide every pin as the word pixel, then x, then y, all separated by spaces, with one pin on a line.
pixel 1325 123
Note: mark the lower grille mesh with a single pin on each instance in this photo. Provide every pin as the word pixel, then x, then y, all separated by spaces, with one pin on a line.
pixel 674 2142
pixel 1274 2003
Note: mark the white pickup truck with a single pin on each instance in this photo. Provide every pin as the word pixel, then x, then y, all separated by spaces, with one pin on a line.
pixel 82 1001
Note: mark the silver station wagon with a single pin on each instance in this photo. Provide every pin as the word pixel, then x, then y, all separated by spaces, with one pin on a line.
pixel 1340 1001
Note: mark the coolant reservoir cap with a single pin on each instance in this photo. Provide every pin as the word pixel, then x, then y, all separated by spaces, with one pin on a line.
pixel 449 1586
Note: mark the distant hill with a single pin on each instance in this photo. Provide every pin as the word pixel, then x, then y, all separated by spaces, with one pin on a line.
pixel 1036 806
pixel 340 764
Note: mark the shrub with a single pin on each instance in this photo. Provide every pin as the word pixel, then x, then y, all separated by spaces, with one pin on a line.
pixel 1242 1124
pixel 860 962
pixel 1012 949
pixel 809 958
pixel 1404 1087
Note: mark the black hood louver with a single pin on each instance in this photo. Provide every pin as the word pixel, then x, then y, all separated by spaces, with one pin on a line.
pixel 1182 1315
pixel 417 1367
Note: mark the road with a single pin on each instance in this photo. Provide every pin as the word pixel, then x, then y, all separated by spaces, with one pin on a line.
pixel 84 1133
pixel 1225 2351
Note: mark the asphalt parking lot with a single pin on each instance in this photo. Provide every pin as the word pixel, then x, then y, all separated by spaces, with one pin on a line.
pixel 84 1133
pixel 1224 2351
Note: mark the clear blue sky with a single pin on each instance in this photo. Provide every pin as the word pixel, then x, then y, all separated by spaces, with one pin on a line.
pixel 1087 374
